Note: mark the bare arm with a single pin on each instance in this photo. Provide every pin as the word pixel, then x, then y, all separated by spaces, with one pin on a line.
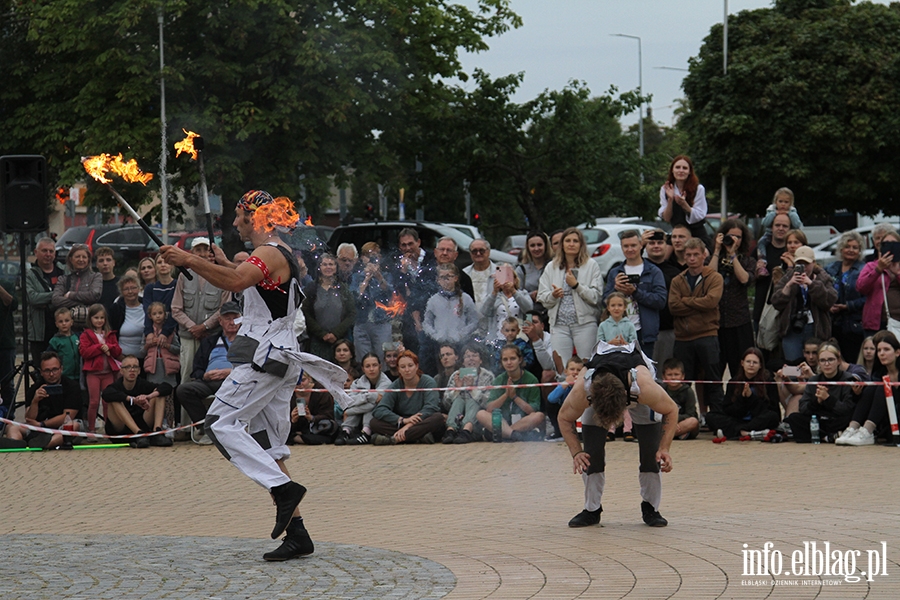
pixel 233 280
pixel 575 404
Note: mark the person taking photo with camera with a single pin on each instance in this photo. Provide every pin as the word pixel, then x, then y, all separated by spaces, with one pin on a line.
pixel 804 296
pixel 732 261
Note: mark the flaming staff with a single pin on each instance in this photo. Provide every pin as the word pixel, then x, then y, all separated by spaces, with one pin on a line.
pixel 193 144
pixel 395 307
pixel 100 166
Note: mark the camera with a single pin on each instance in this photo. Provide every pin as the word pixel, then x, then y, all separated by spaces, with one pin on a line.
pixel 658 235
pixel 728 240
pixel 799 321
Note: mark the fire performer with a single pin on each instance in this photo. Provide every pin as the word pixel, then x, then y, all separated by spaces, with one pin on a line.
pixel 617 378
pixel 267 362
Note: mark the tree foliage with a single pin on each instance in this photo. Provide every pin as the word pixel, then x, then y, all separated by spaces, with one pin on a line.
pixel 809 102
pixel 557 160
pixel 277 88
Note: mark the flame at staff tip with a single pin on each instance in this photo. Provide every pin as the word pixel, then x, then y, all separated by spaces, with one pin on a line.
pixel 396 306
pixel 308 222
pixel 98 166
pixel 187 145
pixel 279 213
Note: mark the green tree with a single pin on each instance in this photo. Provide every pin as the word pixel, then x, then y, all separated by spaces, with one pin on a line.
pixel 809 102
pixel 277 88
pixel 557 160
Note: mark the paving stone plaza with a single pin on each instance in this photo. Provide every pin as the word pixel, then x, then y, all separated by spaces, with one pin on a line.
pixel 463 522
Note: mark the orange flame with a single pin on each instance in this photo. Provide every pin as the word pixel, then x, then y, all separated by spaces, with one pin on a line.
pixel 279 213
pixel 98 166
pixel 308 222
pixel 187 145
pixel 396 306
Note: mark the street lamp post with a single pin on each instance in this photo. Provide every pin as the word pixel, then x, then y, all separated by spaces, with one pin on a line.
pixel 640 92
pixel 724 202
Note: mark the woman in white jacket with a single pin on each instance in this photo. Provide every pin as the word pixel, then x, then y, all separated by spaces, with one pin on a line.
pixel 570 289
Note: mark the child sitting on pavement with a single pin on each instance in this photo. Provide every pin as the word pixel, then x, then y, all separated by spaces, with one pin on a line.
pixel 683 395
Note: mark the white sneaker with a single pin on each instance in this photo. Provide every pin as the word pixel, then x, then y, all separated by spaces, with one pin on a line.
pixel 862 438
pixel 846 436
pixel 205 440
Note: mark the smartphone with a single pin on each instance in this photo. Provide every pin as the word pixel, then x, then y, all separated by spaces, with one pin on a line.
pixel 504 274
pixel 468 372
pixel 892 248
pixel 789 371
pixel 798 269
pixel 54 389
pixel 658 235
pixel 575 273
pixel 634 280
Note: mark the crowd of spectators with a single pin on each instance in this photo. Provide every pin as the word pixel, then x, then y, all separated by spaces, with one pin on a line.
pixel 147 350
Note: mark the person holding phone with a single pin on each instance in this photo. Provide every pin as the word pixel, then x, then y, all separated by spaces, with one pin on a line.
pixel 804 295
pixel 643 285
pixel 879 282
pixel 52 401
pixel 571 289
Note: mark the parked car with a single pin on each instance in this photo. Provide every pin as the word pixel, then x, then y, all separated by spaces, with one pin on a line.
pixel 130 243
pixel 82 234
pixel 470 230
pixel 387 233
pixel 602 241
pixel 513 244
pixel 184 239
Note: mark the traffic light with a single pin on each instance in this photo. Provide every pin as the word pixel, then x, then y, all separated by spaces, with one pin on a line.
pixel 62 195
pixel 370 211
pixel 476 219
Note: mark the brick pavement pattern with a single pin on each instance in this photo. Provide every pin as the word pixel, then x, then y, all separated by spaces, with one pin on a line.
pixel 494 515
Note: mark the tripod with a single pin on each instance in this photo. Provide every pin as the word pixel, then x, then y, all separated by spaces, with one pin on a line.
pixel 24 368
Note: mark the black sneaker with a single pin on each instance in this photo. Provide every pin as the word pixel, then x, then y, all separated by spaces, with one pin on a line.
pixel 426 439
pixel 361 440
pixel 140 442
pixel 449 437
pixel 286 497
pixel 651 516
pixel 295 544
pixel 464 437
pixel 586 518
pixel 342 438
pixel 159 439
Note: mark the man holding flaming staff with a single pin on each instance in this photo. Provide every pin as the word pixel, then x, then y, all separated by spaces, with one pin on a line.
pixel 266 359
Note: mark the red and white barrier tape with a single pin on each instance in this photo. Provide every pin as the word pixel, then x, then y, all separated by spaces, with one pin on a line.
pixel 96 436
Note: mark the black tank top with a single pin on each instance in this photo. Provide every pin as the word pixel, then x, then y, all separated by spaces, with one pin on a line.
pixel 277 300
pixel 616 363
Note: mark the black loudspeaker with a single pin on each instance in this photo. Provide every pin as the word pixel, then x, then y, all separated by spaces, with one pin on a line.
pixel 23 194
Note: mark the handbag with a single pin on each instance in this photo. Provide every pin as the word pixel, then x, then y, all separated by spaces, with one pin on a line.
pixel 768 336
pixel 893 325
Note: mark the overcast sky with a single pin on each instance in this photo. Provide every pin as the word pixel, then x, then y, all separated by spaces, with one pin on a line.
pixel 561 40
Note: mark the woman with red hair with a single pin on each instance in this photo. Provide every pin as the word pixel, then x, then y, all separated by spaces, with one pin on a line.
pixel 682 199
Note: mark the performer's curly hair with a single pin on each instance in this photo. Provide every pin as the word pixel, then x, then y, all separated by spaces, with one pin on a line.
pixel 608 398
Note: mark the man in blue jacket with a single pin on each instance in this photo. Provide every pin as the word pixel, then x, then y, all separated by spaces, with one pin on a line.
pixel 644 287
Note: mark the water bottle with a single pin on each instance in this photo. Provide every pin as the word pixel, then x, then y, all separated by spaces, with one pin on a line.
pixel 497 424
pixel 814 429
